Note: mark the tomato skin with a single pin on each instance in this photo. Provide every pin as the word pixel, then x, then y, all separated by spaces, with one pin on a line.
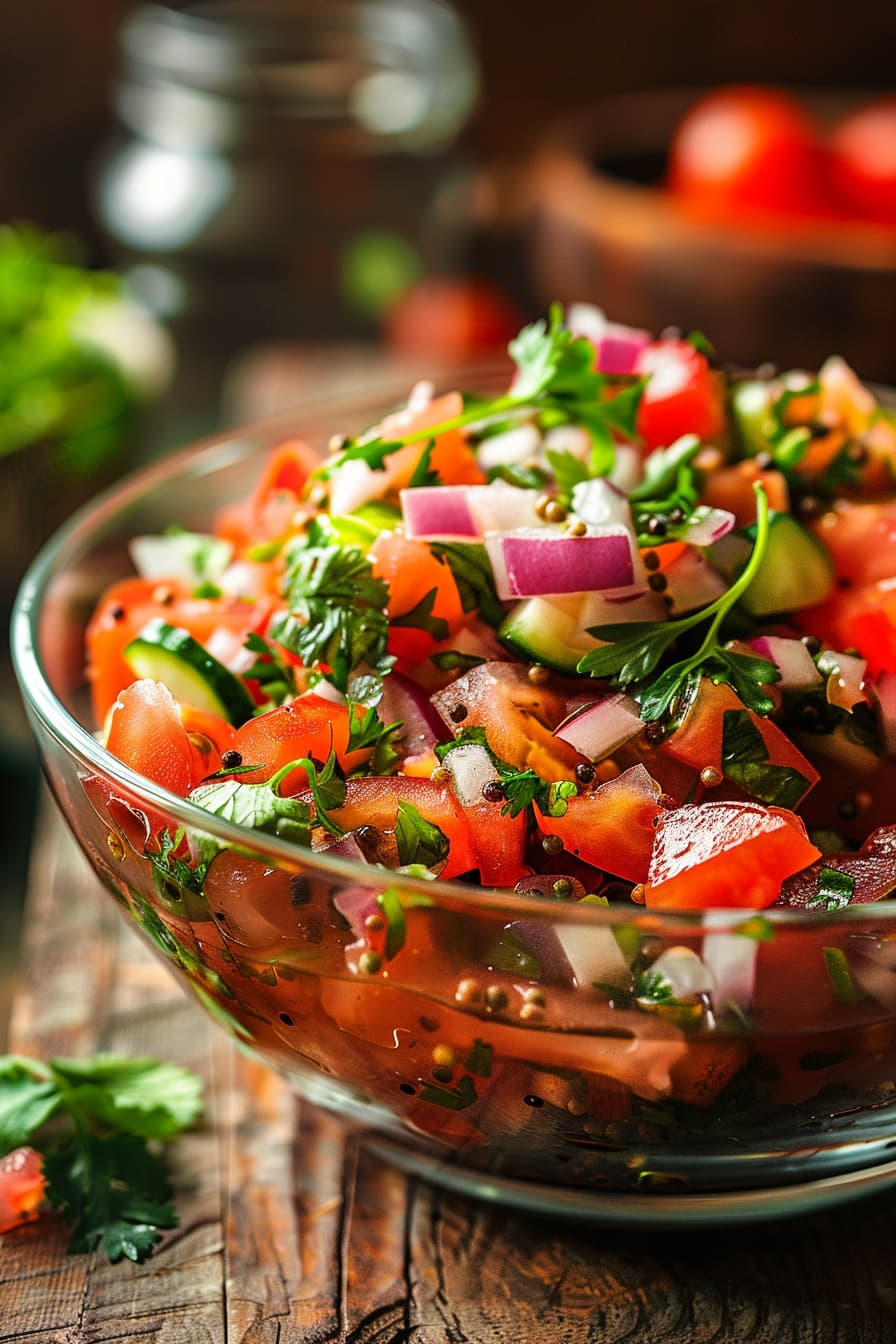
pixel 452 318
pixel 412 572
pixel 22 1184
pixel 499 843
pixel 373 801
pixel 863 161
pixel 747 151
pixel 724 854
pixel 269 512
pixel 613 827
pixel 682 395
pixel 308 726
pixel 145 732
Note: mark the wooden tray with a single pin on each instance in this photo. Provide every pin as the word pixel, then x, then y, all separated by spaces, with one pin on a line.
pixel 292 1233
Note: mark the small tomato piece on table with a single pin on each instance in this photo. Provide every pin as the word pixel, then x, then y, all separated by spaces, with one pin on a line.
pixel 613 827
pixel 724 854
pixel 22 1184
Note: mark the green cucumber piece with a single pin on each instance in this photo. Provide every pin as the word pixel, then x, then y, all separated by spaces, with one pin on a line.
pixel 547 632
pixel 751 405
pixel 171 655
pixel 796 570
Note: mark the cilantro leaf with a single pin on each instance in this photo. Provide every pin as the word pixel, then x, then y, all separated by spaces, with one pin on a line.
pixel 569 470
pixel 28 1097
pixel 835 889
pixel 420 617
pixel 143 1096
pixel 632 654
pixel 423 473
pixel 419 840
pixel 472 572
pixel 521 788
pixel 337 611
pixel 456 1098
pixel 452 660
pixel 257 806
pixel 275 677
pixel 745 762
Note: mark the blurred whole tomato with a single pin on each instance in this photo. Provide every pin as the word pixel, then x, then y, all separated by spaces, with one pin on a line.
pixel 863 161
pixel 746 150
pixel 452 318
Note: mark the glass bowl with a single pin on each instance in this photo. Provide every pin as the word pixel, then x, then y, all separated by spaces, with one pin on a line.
pixel 482 1066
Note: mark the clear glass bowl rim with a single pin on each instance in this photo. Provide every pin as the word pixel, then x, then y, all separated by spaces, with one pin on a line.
pixel 204 457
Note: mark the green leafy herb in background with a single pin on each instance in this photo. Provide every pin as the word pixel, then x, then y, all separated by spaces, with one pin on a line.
pixel 96 1123
pixel 56 386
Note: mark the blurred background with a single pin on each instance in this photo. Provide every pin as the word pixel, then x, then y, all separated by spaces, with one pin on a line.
pixel 211 211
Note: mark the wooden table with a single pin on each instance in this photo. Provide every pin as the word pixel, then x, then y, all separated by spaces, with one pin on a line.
pixel 291 1232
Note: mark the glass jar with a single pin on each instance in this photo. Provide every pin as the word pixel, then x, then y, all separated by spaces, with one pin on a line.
pixel 283 170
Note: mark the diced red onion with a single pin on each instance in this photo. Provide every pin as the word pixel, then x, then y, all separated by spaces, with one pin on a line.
pixel 685 972
pixel 539 938
pixel 600 610
pixel 845 678
pixel 884 690
pixel 730 959
pixel 174 557
pixel 404 701
pixel 355 904
pixel 599 728
pixel 792 659
pixel 531 562
pixel 708 526
pixel 229 648
pixel 618 346
pixel 691 582
pixel 599 501
pixel 628 466
pixel 420 395
pixel 352 484
pixel 244 578
pixel 509 448
pixel 594 955
pixel 471 769
pixel 346 847
pixel 324 690
pixel 873 976
pixel 437 511
pixel 501 507
pixel 568 439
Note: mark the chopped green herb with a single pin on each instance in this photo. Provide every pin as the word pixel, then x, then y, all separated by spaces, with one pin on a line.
pixel 419 840
pixel 469 565
pixel 631 657
pixel 745 762
pixel 452 1098
pixel 757 927
pixel 420 617
pixel 840 975
pixel 275 677
pixel 480 1060
pixel 423 474
pixel 835 889
pixel 452 660
pixel 112 1189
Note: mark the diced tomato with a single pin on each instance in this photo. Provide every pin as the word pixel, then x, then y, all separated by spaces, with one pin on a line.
pixel 308 726
pixel 22 1186
pixel 499 843
pixel 373 801
pixel 863 618
pixel 210 734
pixel 724 854
pixel 128 605
pixel 698 741
pixel 861 538
pixel 682 396
pixel 452 456
pixel 413 573
pixel 145 732
pixel 731 488
pixel 270 512
pixel 613 827
pixel 518 715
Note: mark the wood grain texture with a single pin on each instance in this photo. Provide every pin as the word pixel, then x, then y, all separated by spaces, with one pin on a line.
pixel 292 1233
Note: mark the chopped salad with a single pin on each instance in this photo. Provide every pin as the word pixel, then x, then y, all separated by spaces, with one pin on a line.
pixel 630 624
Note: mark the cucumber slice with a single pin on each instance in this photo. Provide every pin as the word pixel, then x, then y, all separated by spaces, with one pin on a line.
pixel 171 655
pixel 751 404
pixel 547 632
pixel 796 570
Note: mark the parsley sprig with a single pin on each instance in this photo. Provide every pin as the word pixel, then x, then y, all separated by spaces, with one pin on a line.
pixel 555 378
pixel 631 657
pixel 337 611
pixel 95 1122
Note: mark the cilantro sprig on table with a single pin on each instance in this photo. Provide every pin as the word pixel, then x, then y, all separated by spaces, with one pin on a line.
pixel 632 654
pixel 555 378
pixel 95 1122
